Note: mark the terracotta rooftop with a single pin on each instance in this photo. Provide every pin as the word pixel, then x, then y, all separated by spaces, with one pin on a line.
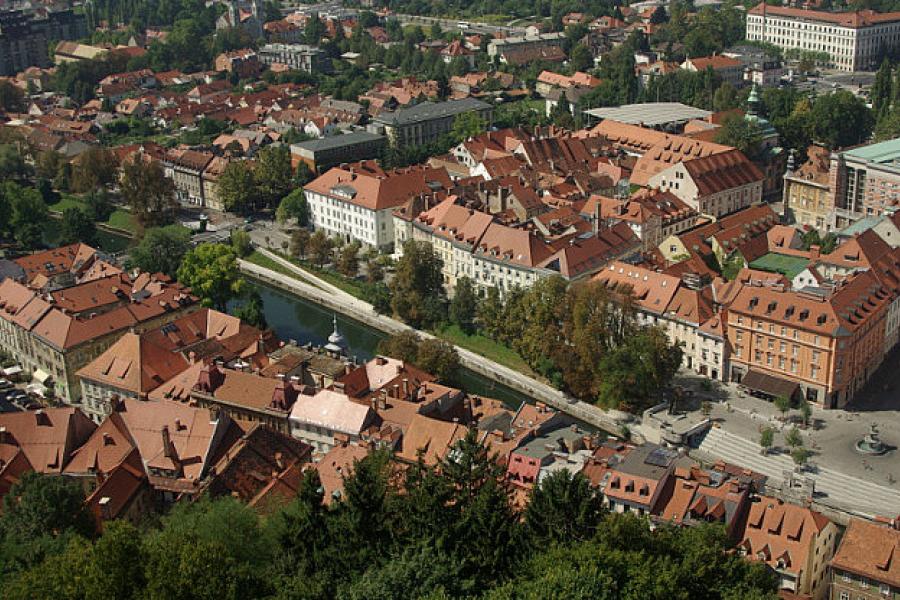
pixel 871 550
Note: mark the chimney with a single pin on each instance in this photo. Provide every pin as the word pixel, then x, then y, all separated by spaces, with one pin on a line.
pixel 406 388
pixel 396 391
pixel 814 251
pixel 2 435
pixel 167 443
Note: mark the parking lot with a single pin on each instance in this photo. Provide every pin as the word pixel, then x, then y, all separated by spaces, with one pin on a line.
pixel 14 398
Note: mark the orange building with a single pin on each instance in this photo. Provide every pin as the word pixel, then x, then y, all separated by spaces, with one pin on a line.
pixel 823 343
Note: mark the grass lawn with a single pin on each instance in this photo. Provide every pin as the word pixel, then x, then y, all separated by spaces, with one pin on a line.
pixel 119 219
pixel 66 201
pixel 486 347
pixel 789 266
pixel 257 258
pixel 122 219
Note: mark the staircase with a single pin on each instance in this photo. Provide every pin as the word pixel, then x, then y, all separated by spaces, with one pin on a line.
pixel 833 488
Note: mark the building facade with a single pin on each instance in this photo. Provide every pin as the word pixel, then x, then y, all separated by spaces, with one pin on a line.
pixel 426 122
pixel 854 41
pixel 25 38
pixel 825 341
pixel 865 181
pixel 300 57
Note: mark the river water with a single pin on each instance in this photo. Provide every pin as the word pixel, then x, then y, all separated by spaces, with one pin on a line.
pixel 294 318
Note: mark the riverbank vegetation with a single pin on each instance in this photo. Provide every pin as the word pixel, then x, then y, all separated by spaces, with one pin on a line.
pixel 437 532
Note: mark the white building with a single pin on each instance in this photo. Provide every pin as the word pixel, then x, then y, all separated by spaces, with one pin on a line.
pixel 855 41
pixel 355 202
pixel 714 185
pixel 319 420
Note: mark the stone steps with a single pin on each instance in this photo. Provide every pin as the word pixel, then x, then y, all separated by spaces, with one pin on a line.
pixel 841 490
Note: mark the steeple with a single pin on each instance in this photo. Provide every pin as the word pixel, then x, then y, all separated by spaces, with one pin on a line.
pixel 753 101
pixel 336 344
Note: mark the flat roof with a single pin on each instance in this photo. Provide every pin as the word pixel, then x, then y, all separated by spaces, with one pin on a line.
pixel 430 110
pixel 881 152
pixel 650 114
pixel 789 266
pixel 337 141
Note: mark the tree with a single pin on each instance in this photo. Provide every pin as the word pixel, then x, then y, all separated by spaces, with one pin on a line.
pixel 581 59
pixel 240 241
pixel 273 174
pixel 211 271
pixel 562 508
pixel 766 439
pixel 320 246
pixel 783 404
pixel 208 550
pixel 12 163
pixel 805 411
pixel 463 305
pixel 417 289
pixel 374 271
pixel 880 94
pixel 149 193
pixel 294 206
pixel 95 168
pixel 237 187
pixel 98 205
pixel 76 226
pixel 28 214
pixel 742 134
pixel 840 119
pixel 161 249
pixel 402 346
pixel 636 371
pixel 800 455
pixel 314 30
pixel 659 16
pixel 252 311
pixel 348 261
pixel 39 504
pixel 438 358
pixel 467 125
pixel 12 100
pixel 793 438
pixel 300 239
pixel 725 97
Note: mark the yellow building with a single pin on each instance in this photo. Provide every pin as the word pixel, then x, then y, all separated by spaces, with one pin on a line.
pixel 807 191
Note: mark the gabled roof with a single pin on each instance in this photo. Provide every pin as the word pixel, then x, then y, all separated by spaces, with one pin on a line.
pixel 46 436
pixel 651 291
pixel 780 532
pixel 430 436
pixel 871 550
pixel 366 184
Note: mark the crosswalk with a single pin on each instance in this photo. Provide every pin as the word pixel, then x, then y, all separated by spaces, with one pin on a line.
pixel 833 488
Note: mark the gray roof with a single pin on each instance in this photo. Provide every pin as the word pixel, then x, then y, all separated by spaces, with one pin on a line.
pixel 430 110
pixel 336 141
pixel 649 461
pixel 651 114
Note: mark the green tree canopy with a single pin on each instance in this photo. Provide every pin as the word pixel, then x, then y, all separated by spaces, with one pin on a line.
pixel 211 271
pixel 417 290
pixel 161 249
pixel 149 193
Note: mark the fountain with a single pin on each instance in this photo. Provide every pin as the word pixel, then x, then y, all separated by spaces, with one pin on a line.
pixel 871 443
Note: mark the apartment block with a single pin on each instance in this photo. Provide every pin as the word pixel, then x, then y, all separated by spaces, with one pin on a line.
pixel 820 343
pixel 865 181
pixel 426 122
pixel 855 41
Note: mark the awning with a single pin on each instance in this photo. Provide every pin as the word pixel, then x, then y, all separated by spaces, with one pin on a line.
pixel 40 376
pixel 769 384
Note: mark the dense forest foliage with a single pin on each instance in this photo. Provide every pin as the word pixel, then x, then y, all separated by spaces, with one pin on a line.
pixel 431 532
